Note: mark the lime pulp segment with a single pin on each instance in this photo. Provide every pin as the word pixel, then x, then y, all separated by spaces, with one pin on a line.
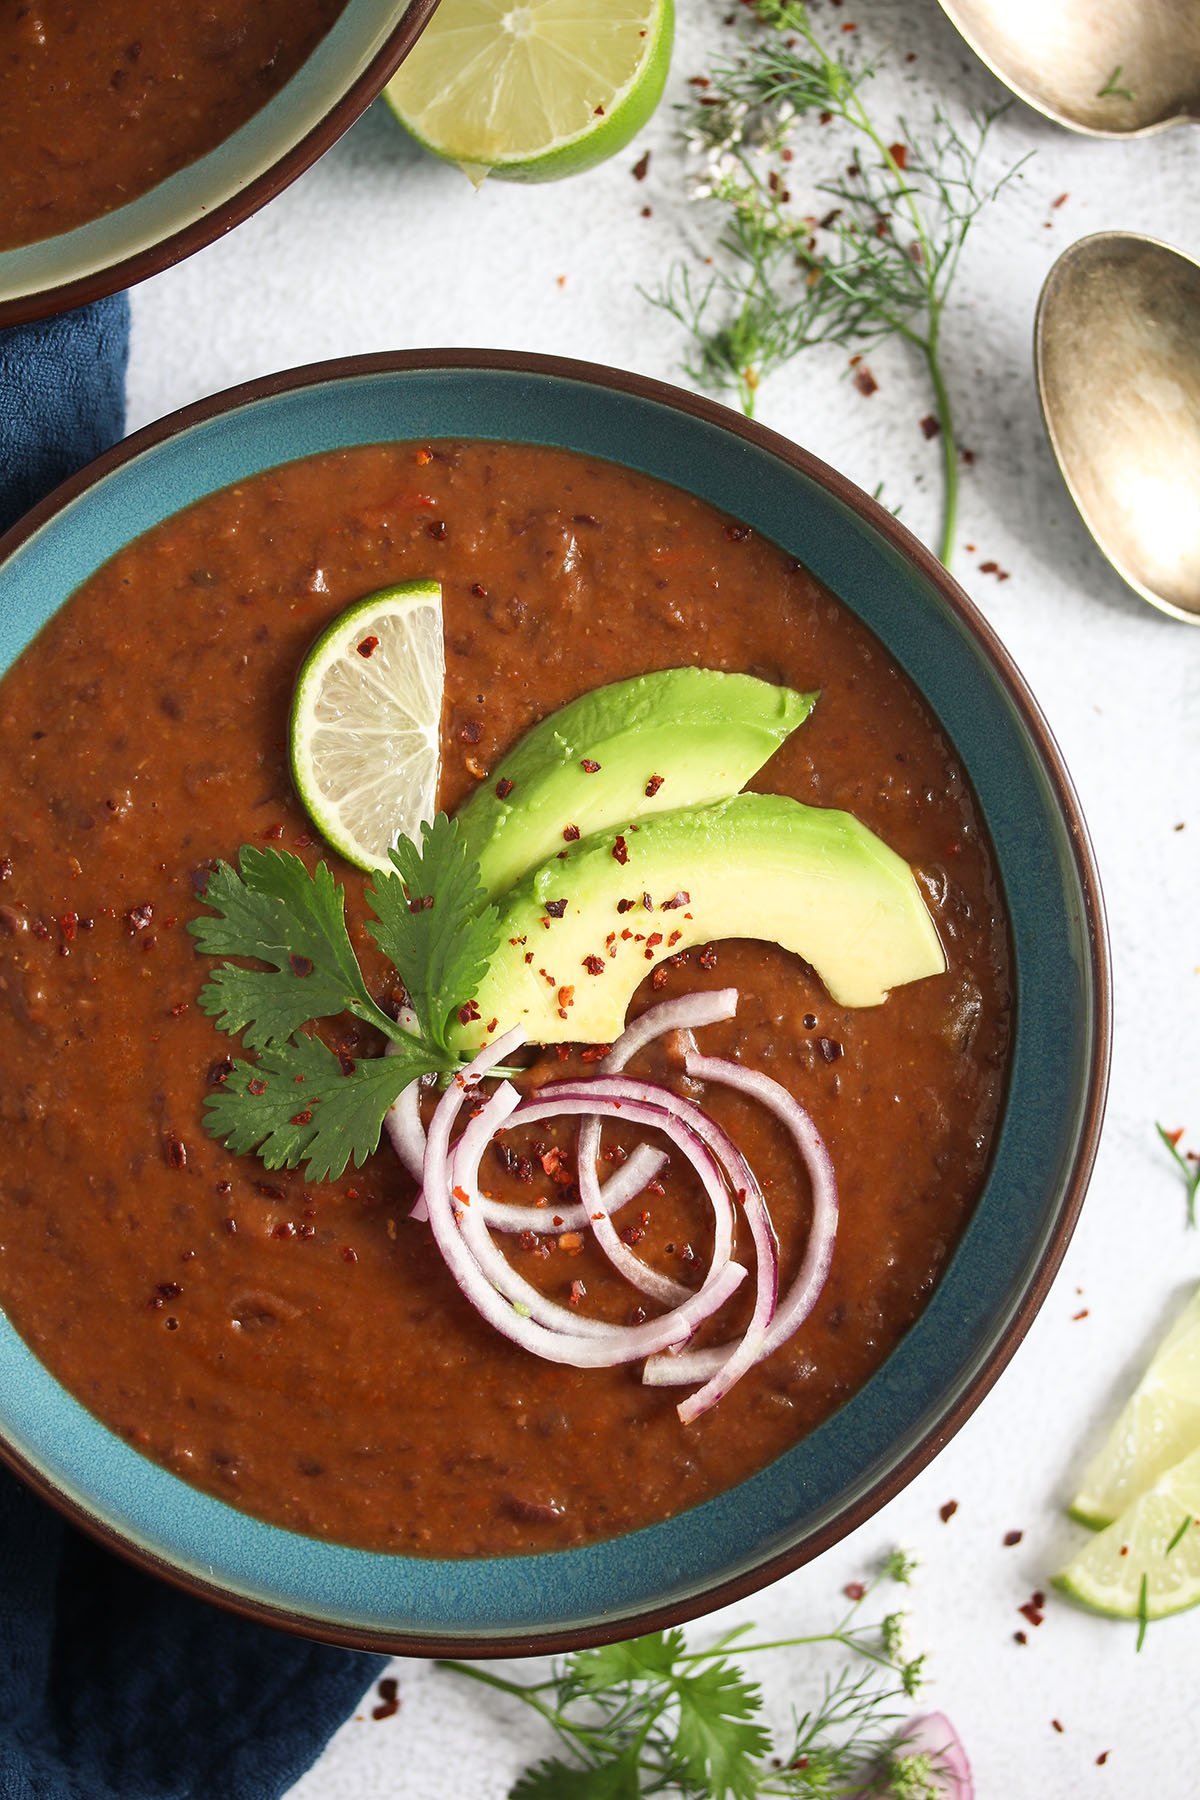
pixel 1155 1542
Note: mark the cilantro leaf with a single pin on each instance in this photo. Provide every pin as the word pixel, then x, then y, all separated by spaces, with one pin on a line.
pixel 555 1779
pixel 718 1739
pixel 299 1103
pixel 276 912
pixel 648 1658
pixel 433 923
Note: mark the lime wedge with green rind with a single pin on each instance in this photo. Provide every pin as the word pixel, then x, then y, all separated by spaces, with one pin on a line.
pixel 536 90
pixel 1157 1428
pixel 1155 1541
pixel 365 729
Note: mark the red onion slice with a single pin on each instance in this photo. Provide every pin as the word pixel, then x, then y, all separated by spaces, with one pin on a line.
pixel 446 1219
pixel 933 1735
pixel 801 1297
pixel 403 1119
pixel 621 1187
pixel 670 1015
pixel 622 1343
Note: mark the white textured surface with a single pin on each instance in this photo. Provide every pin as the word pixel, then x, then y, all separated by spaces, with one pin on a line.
pixel 379 248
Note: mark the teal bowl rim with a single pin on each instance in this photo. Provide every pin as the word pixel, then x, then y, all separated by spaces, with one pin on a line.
pixel 238 203
pixel 781 1518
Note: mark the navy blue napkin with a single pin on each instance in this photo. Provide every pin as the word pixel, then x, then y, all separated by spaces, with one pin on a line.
pixel 114 1686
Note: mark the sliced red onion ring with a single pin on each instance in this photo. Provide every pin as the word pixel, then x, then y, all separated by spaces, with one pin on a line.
pixel 701 1365
pixel 446 1225
pixel 624 1185
pixel 634 1340
pixel 670 1015
pixel 403 1119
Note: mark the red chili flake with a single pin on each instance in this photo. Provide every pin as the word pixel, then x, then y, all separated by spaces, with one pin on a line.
pixel 302 1118
pixel 864 381
pixel 566 997
pixel 624 906
pixel 468 1013
pixel 849 27
pixel 368 646
pixel 930 426
pixel 682 898
pixel 389 1699
pixel 1011 1538
pixel 1033 1609
pixel 595 1053
pixel 854 1590
pixel 1056 1724
pixel 436 528
pixel 708 957
pixel 570 833
pixel 300 965
pixel 529 956
pixel 653 785
pixel 830 1049
pixel 1176 1135
pixel 492 1024
pixel 947 1512
pixel 556 908
pixel 989 568
pixel 479 591
pixel 504 787
pixel 471 732
pixel 256 1086
pixel 1102 1758
pixel 1081 1314
pixel 1062 199
pixel 273 831
pixel 588 766
pixel 620 850
pixel 69 925
pixel 177 1153
pixel 899 155
pixel 461 1195
pixel 641 167
pixel 139 917
pixel 1124 1550
pixel 594 965
pixel 571 1242
pixel 647 903
pixel 1019 1637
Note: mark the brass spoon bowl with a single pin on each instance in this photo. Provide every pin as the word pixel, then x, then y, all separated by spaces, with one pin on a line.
pixel 1117 355
pixel 1111 68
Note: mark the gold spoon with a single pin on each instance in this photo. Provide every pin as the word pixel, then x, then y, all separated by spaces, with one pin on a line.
pixel 1117 355
pixel 1113 68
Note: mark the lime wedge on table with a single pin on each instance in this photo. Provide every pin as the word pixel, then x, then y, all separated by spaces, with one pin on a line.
pixel 366 722
pixel 1159 1425
pixel 1158 1539
pixel 534 89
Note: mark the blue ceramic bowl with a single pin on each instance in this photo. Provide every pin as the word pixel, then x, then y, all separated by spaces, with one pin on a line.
pixel 201 202
pixel 1004 1265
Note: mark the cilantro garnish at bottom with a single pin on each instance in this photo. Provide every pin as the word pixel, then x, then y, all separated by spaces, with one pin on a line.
pixel 300 1102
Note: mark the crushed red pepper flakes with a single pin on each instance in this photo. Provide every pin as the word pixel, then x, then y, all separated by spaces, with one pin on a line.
pixel 899 155
pixel 571 833
pixel 854 1590
pixel 594 965
pixel 1103 1758
pixel 864 381
pixel 930 426
pixel 556 908
pixel 947 1512
pixel 368 646
pixel 1019 1637
pixel 1056 1724
pixel 389 1699
pixel 653 785
pixel 641 167
pixel 504 787
pixel 1081 1314
pixel 588 766
pixel 1011 1538
pixel 620 850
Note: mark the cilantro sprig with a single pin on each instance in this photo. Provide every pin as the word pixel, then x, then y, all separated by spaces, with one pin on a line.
pixel 653 1716
pixel 300 1101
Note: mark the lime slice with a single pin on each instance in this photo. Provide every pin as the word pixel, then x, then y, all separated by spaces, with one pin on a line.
pixel 366 722
pixel 534 89
pixel 1159 1425
pixel 1157 1540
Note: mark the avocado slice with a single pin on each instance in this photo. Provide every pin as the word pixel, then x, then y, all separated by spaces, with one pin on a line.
pixel 582 930
pixel 652 744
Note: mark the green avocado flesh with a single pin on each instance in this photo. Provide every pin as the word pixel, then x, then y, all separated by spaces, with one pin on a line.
pixel 755 866
pixel 677 738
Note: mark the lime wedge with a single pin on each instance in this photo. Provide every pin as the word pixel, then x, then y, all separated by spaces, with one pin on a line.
pixel 1159 1426
pixel 1157 1540
pixel 366 722
pixel 533 89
